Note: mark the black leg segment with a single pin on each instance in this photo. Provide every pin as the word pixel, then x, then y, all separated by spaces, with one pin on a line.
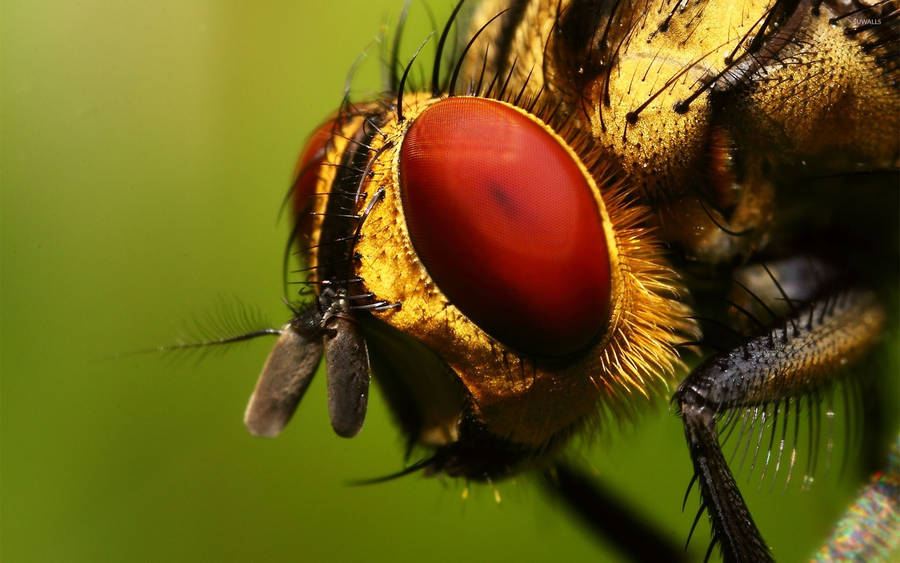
pixel 799 358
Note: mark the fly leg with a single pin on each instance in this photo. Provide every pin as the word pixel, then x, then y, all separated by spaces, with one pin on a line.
pixel 796 359
pixel 606 514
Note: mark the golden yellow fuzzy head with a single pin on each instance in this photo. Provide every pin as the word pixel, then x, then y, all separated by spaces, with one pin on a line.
pixel 514 391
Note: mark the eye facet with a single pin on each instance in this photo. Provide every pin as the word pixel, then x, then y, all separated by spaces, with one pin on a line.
pixel 507 224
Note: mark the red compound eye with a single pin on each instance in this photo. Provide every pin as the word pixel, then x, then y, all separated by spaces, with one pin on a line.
pixel 506 223
pixel 306 175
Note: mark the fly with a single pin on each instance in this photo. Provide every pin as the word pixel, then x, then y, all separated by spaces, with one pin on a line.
pixel 590 192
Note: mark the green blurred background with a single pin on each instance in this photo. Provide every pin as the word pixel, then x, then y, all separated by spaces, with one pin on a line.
pixel 145 151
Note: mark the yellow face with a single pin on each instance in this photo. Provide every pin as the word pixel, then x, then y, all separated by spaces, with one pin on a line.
pixel 503 254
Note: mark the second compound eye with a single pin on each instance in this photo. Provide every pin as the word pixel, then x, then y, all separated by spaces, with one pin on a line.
pixel 507 222
pixel 306 174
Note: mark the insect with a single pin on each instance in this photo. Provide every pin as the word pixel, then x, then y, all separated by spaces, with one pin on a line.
pixel 666 103
pixel 499 321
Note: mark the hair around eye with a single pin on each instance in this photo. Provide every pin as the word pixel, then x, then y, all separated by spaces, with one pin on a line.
pixel 539 369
